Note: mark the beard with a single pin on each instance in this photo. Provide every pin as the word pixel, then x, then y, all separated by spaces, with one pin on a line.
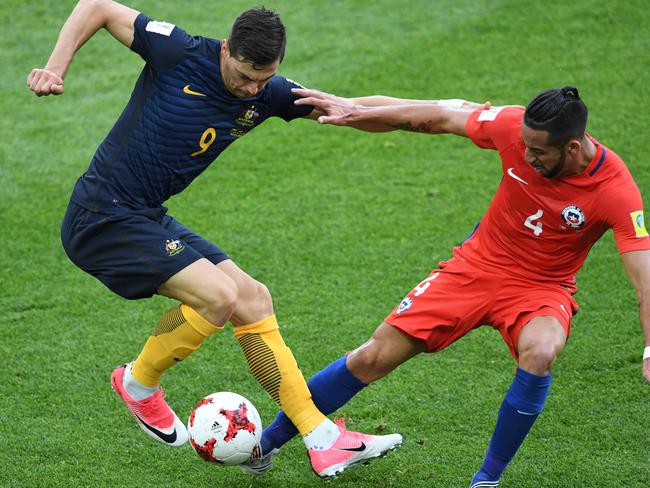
pixel 557 168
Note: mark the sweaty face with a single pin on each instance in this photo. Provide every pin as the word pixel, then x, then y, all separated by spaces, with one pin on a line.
pixel 545 158
pixel 241 78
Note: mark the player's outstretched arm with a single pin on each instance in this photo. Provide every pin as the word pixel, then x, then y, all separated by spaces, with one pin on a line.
pixel 383 101
pixel 85 20
pixel 387 113
pixel 637 267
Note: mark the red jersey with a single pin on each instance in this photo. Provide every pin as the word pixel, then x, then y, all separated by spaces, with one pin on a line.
pixel 542 229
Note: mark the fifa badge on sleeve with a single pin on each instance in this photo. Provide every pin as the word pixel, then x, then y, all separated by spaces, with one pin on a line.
pixel 639 226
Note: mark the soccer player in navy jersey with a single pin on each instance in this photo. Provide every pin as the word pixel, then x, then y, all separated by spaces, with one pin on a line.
pixel 194 97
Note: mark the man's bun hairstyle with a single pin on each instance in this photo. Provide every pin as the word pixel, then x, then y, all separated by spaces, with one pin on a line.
pixel 560 112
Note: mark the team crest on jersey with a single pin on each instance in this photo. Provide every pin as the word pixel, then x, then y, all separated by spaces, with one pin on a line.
pixel 639 226
pixel 404 306
pixel 248 117
pixel 573 216
pixel 173 247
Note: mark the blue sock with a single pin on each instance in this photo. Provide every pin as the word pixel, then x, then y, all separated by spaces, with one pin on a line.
pixel 331 388
pixel 520 408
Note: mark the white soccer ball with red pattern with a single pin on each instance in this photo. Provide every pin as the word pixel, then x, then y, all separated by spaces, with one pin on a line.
pixel 224 428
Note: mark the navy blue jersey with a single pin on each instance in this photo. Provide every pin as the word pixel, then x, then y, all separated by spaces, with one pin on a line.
pixel 179 119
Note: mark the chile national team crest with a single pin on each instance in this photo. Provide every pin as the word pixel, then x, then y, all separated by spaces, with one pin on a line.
pixel 573 216
pixel 404 306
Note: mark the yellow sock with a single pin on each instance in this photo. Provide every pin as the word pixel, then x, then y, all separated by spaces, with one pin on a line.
pixel 178 334
pixel 275 368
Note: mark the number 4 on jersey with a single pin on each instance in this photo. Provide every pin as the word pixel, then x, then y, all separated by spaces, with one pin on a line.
pixel 421 288
pixel 537 228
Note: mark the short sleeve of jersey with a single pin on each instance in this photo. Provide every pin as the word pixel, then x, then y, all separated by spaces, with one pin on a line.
pixel 160 44
pixel 625 215
pixel 493 128
pixel 282 99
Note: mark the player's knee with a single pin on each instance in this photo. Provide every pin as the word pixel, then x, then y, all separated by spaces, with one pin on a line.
pixel 263 298
pixel 366 362
pixel 539 344
pixel 218 302
pixel 254 303
pixel 539 358
pixel 226 298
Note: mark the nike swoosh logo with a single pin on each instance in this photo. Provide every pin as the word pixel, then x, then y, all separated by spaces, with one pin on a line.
pixel 512 174
pixel 360 448
pixel 525 413
pixel 186 89
pixel 564 309
pixel 168 438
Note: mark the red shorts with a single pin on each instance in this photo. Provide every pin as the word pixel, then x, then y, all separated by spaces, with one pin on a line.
pixel 460 297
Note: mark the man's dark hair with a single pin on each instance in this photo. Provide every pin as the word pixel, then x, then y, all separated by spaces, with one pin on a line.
pixel 258 37
pixel 560 112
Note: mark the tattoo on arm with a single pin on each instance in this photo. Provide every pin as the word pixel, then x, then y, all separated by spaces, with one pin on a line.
pixel 421 127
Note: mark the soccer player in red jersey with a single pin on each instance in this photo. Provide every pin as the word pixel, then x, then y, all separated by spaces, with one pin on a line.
pixel 561 190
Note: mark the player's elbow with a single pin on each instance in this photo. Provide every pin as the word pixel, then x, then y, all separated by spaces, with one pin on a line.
pixel 454 121
pixel 97 11
pixel 643 297
pixel 93 5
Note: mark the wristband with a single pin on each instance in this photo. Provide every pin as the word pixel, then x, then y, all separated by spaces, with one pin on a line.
pixel 646 353
pixel 452 103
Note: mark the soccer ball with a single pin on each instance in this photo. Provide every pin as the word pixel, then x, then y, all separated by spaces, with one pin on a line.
pixel 224 428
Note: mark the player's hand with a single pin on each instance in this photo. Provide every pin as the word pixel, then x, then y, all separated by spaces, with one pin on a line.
pixel 336 110
pixel 44 82
pixel 646 369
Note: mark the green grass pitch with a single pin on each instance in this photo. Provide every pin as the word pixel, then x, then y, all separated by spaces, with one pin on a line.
pixel 340 225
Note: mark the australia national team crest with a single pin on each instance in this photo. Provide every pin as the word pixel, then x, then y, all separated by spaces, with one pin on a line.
pixel 248 118
pixel 404 306
pixel 173 247
pixel 573 216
